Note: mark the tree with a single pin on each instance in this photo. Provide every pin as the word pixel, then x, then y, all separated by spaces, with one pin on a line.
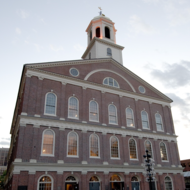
pixel 2 179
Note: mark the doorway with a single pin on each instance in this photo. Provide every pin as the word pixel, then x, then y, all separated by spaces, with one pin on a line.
pixel 94 183
pixel 135 183
pixel 116 183
pixel 71 183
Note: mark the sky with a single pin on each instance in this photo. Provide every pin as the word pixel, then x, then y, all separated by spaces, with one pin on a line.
pixel 155 34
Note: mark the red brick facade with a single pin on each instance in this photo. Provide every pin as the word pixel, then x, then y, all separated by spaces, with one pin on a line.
pixel 27 165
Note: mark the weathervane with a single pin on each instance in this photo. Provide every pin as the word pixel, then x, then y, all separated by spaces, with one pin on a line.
pixel 100 10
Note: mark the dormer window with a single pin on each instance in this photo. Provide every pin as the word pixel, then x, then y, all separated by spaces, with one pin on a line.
pixel 109 52
pixel 111 82
pixel 107 32
pixel 98 32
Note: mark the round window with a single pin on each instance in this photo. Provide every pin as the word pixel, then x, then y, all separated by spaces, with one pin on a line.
pixel 74 72
pixel 142 89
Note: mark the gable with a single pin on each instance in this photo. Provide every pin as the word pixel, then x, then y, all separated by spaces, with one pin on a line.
pixel 96 70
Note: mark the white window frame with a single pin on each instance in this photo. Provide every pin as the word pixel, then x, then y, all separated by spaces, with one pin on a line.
pixel 98 146
pixel 161 123
pixel 147 120
pixel 77 106
pixel 73 156
pixel 55 104
pixel 52 155
pixel 166 152
pixel 132 116
pixel 97 111
pixel 171 181
pixel 113 82
pixel 71 74
pixel 114 158
pixel 151 147
pixel 135 159
pixel 109 115
pixel 43 176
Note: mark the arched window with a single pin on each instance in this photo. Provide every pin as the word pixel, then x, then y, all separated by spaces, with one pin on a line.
pixel 93 111
pixel 168 183
pixel 134 178
pixel 114 143
pixel 72 144
pixel 107 32
pixel 159 124
pixel 133 149
pixel 130 117
pixel 90 35
pixel 109 52
pixel 50 104
pixel 163 151
pixel 112 114
pixel 115 178
pixel 94 179
pixel 110 82
pixel 94 146
pixel 90 55
pixel 73 108
pixel 48 142
pixel 45 183
pixel 148 147
pixel 144 117
pixel 98 32
pixel 71 179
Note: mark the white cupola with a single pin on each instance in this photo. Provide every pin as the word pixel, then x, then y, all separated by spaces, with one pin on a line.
pixel 101 40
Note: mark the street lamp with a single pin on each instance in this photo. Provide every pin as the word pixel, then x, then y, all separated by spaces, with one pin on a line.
pixel 149 169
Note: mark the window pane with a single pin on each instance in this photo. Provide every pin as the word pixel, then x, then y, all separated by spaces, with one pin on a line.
pixel 94 146
pixel 110 82
pixel 129 115
pixel 163 151
pixel 144 117
pixel 114 147
pixel 93 111
pixel 73 107
pixel 133 151
pixel 48 142
pixel 112 114
pixel 50 103
pixel 149 148
pixel 72 144
pixel 158 122
pixel 168 183
pixel 106 81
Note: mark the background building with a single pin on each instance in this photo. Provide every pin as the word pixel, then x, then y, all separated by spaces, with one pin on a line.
pixel 3 159
pixel 85 124
pixel 186 172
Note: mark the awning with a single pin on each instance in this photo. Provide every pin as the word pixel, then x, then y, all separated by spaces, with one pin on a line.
pixel 186 174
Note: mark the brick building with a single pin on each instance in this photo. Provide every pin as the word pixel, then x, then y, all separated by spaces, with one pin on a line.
pixel 3 159
pixel 186 172
pixel 85 124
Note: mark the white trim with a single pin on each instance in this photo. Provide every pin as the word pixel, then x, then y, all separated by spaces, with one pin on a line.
pixel 43 176
pixel 109 115
pixel 73 156
pixel 97 111
pixel 43 141
pixel 71 74
pixel 98 146
pixel 77 107
pixel 91 85
pixel 115 158
pixel 161 122
pixel 55 104
pixel 135 159
pixel 171 181
pixel 151 147
pixel 132 116
pixel 166 152
pixel 99 70
pixel 147 120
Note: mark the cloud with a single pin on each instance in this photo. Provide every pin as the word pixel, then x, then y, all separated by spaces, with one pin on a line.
pixel 56 49
pixel 23 14
pixel 78 47
pixel 175 75
pixel 139 26
pixel 4 143
pixel 38 47
pixel 18 30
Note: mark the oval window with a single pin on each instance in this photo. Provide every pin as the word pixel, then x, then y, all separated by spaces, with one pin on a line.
pixel 141 89
pixel 74 72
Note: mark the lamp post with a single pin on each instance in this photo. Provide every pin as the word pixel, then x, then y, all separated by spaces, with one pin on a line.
pixel 149 163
